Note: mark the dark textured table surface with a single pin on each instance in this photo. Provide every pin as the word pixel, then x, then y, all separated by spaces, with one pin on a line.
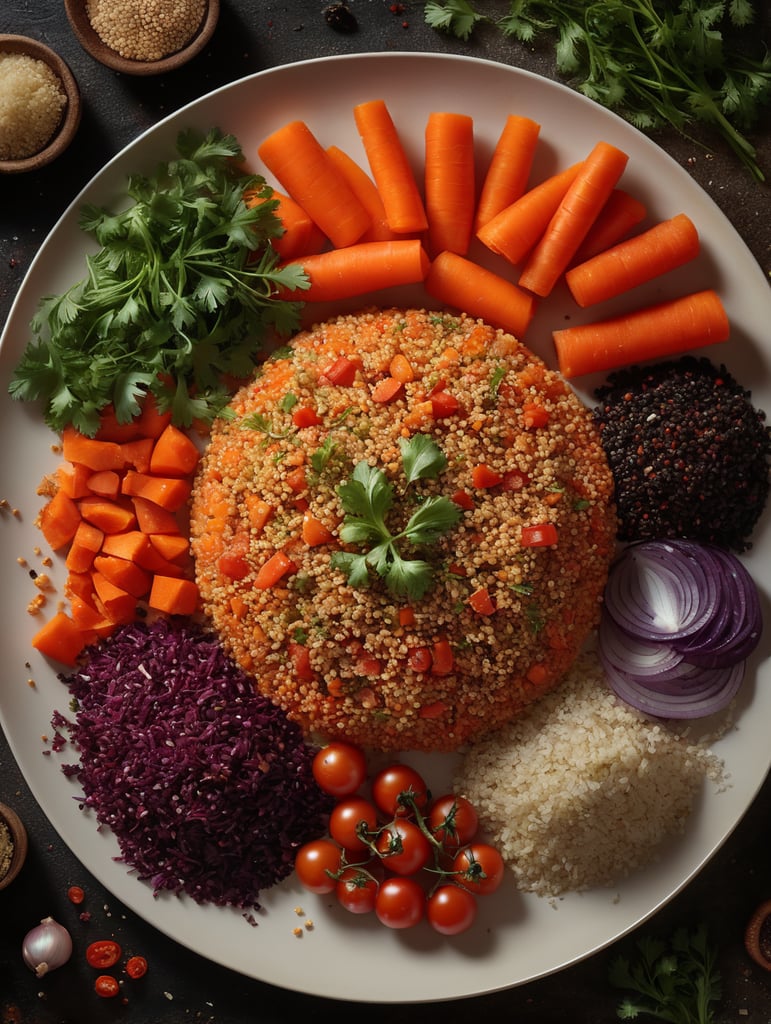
pixel 182 987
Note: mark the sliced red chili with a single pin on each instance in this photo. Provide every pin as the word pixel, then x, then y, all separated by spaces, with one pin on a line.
pixel 136 967
pixel 514 480
pixel 103 953
pixel 106 986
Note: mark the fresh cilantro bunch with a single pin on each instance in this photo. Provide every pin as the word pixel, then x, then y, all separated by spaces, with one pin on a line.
pixel 655 62
pixel 368 496
pixel 676 982
pixel 179 294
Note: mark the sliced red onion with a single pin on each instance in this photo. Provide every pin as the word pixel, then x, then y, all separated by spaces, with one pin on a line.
pixel 679 621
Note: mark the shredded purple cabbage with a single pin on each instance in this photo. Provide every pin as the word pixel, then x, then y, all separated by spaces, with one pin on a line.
pixel 206 785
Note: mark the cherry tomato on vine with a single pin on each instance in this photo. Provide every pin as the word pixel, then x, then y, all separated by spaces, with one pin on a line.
pixel 103 953
pixel 400 903
pixel 344 821
pixel 106 986
pixel 389 783
pixel 479 867
pixel 451 910
pixel 453 820
pixel 340 768
pixel 356 890
pixel 402 847
pixel 136 967
pixel 313 862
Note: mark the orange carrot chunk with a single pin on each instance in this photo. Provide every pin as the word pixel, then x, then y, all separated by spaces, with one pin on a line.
pixel 61 639
pixel 667 245
pixel 170 493
pixel 297 159
pixel 126 575
pixel 88 451
pixel 151 518
pixel 295 221
pixel 456 281
pixel 173 547
pixel 107 515
pixel 366 191
pixel 619 215
pixel 119 606
pixel 573 218
pixel 58 520
pixel 390 168
pixel 314 532
pixel 105 483
pixel 174 454
pixel 509 168
pixel 173 596
pixel 449 181
pixel 666 329
pixel 277 566
pixel 85 545
pixel 514 231
pixel 362 268
pixel 386 390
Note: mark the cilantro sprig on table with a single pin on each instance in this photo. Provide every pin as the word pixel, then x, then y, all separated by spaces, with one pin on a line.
pixel 367 497
pixel 655 62
pixel 676 981
pixel 179 295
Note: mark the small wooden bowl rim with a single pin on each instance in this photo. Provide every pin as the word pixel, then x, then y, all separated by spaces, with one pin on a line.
pixel 71 118
pixel 92 44
pixel 19 837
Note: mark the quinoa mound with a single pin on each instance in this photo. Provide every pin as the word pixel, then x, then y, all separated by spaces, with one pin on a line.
pixel 503 619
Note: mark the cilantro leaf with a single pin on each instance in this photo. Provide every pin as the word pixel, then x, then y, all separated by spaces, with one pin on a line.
pixel 180 295
pixel 421 458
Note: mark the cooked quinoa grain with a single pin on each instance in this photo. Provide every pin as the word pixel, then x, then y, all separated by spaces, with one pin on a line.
pixel 145 29
pixel 688 451
pixel 581 790
pixel 503 620
pixel 32 100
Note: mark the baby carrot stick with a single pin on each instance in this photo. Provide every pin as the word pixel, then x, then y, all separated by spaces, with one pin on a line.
pixel 298 161
pixel 514 231
pixel 361 268
pixel 574 217
pixel 619 215
pixel 365 189
pixel 456 281
pixel 296 222
pixel 390 168
pixel 654 332
pixel 509 168
pixel 449 181
pixel 667 245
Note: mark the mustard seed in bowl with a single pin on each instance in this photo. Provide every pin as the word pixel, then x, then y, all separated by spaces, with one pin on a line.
pixel 309 575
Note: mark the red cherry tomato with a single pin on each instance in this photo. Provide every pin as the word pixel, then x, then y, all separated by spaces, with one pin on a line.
pixel 345 819
pixel 106 986
pixel 136 967
pixel 103 953
pixel 400 903
pixel 313 863
pixel 479 868
pixel 356 891
pixel 403 848
pixel 451 910
pixel 340 768
pixel 391 782
pixel 453 820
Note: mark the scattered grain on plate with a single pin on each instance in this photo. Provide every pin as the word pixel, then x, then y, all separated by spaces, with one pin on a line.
pixel 207 787
pixel 581 790
pixel 32 100
pixel 688 450
pixel 145 30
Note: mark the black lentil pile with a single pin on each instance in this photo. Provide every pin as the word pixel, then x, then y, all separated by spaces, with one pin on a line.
pixel 688 451
pixel 207 787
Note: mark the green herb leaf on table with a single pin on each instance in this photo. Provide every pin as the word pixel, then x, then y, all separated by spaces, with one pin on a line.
pixel 178 297
pixel 656 63
pixel 676 981
pixel 367 497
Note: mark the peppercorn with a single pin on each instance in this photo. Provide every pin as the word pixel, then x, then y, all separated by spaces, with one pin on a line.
pixel 688 451
pixel 340 18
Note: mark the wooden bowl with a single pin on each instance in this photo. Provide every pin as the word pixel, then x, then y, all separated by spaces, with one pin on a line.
pixel 99 50
pixel 18 833
pixel 70 116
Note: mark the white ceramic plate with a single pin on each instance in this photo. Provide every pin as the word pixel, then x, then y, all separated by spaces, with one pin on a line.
pixel 518 938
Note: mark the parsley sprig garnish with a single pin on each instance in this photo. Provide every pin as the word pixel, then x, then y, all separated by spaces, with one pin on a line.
pixel 179 295
pixel 655 62
pixel 676 981
pixel 368 496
